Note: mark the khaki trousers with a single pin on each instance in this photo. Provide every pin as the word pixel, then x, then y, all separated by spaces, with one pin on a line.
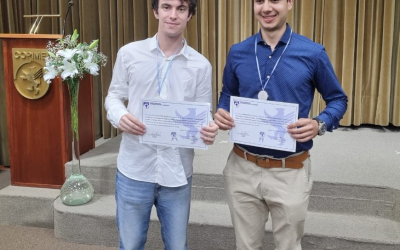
pixel 254 192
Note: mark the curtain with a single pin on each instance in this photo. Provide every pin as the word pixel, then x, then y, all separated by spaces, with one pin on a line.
pixel 361 38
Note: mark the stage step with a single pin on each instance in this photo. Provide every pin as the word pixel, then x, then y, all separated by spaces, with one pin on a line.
pixel 341 215
pixel 354 204
pixel 99 166
pixel 325 197
pixel 211 228
pixel 27 206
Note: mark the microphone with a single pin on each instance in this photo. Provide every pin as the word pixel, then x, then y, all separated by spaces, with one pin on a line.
pixel 70 4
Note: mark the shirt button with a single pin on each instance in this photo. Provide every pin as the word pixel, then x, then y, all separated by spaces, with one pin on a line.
pixel 270 57
pixel 268 77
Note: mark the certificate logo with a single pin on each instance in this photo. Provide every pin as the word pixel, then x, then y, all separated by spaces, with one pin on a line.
pixel 261 139
pixel 191 121
pixel 236 103
pixel 279 121
pixel 173 136
pixel 146 104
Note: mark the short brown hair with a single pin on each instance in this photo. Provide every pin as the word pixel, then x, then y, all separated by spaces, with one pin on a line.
pixel 192 5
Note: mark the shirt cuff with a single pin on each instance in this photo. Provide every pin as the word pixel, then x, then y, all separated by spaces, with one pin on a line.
pixel 116 117
pixel 331 124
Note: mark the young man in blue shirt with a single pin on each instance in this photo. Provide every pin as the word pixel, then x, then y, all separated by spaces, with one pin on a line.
pixel 276 64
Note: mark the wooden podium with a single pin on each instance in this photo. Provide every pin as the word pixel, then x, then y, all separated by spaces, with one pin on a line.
pixel 39 126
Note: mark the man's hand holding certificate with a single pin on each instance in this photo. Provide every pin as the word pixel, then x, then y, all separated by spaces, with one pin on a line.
pixel 174 123
pixel 263 123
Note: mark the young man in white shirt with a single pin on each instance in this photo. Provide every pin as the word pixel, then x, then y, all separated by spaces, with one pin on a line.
pixel 165 67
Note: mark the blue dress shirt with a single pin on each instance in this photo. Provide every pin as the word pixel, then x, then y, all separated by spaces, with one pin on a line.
pixel 304 67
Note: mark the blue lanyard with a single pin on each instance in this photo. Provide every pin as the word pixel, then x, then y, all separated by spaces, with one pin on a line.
pixel 160 85
pixel 258 66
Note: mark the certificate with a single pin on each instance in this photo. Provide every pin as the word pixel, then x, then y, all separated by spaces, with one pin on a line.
pixel 174 123
pixel 263 123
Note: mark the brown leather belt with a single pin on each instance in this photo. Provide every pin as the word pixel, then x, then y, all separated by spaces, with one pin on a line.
pixel 264 162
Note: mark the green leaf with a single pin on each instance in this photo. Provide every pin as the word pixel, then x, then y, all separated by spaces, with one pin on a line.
pixel 75 35
pixel 93 44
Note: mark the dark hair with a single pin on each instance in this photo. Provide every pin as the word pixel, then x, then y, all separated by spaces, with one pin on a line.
pixel 192 5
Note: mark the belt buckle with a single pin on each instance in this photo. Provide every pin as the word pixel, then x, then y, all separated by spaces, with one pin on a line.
pixel 261 161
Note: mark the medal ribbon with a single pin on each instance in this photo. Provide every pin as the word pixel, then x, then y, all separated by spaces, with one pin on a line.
pixel 258 66
pixel 160 85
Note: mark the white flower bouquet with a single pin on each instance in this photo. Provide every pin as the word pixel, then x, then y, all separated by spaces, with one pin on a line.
pixel 71 59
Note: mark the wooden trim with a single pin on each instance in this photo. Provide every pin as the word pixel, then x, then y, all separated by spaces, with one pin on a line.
pixel 27 184
pixel 8 78
pixel 31 36
pixel 4 167
pixel 42 15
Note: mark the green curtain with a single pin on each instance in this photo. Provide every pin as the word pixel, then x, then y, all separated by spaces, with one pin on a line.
pixel 361 38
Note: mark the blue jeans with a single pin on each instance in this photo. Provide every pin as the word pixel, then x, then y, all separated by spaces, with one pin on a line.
pixel 135 200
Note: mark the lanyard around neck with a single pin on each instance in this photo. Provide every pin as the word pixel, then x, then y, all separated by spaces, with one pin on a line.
pixel 258 66
pixel 160 84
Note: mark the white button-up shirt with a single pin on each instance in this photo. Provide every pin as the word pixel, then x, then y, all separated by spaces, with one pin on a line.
pixel 134 78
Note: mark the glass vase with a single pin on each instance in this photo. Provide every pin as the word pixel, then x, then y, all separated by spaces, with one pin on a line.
pixel 77 189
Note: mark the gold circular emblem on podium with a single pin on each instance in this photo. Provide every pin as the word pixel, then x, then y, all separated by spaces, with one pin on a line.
pixel 29 80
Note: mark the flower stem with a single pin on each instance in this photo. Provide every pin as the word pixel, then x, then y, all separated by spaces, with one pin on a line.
pixel 73 86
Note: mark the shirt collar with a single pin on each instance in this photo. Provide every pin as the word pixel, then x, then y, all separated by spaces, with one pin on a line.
pixel 284 39
pixel 184 51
